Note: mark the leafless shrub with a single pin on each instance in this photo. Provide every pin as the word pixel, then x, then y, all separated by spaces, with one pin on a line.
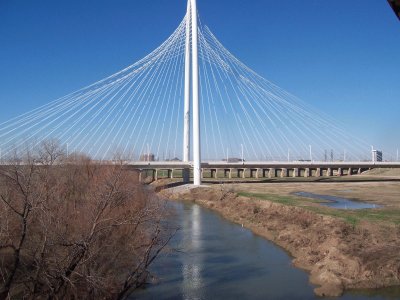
pixel 75 229
pixel 256 209
pixel 303 219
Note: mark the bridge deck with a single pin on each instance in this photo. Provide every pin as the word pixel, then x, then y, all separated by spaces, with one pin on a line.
pixel 263 164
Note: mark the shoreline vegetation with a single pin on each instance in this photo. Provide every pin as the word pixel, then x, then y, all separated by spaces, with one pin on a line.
pixel 72 228
pixel 341 249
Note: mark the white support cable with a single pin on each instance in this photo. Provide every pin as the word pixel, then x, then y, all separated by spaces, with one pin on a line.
pixel 214 117
pixel 168 92
pixel 244 133
pixel 218 92
pixel 176 100
pixel 140 106
pixel 150 92
pixel 62 99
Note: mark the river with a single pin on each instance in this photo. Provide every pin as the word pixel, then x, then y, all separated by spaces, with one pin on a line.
pixel 217 259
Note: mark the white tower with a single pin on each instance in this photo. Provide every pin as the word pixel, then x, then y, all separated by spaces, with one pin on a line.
pixel 191 25
pixel 186 113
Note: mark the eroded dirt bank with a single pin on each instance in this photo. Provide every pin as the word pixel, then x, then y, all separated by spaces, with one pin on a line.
pixel 339 255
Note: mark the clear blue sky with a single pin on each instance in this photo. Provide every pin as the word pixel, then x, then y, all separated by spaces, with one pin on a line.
pixel 343 57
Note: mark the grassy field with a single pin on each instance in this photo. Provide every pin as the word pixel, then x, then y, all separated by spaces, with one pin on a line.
pixel 386 215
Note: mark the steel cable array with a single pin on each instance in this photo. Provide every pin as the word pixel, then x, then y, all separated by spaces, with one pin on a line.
pixel 139 110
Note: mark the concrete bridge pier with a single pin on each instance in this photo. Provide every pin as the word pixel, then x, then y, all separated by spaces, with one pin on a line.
pixel 284 173
pixel 350 172
pixel 214 173
pixel 140 176
pixel 186 175
pixel 329 172
pixel 307 172
pixel 319 172
pixel 296 172
pixel 264 173
pixel 254 173
pixel 228 173
pixel 241 173
pixel 271 173
pixel 340 172
pixel 153 174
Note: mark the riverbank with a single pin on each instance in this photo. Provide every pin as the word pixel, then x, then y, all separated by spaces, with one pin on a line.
pixel 341 249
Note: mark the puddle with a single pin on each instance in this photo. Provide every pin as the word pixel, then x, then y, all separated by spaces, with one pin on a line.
pixel 337 202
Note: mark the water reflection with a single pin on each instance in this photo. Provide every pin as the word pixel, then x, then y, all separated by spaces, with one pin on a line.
pixel 192 261
pixel 221 260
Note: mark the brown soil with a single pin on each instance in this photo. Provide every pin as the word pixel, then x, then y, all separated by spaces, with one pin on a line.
pixel 338 255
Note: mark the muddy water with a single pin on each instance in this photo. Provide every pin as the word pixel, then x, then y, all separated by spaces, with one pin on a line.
pixel 216 259
pixel 337 202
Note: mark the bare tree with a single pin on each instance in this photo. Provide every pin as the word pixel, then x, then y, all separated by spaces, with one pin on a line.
pixel 75 229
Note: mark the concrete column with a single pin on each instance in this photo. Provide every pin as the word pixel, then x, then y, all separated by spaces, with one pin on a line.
pixel 350 172
pixel 257 173
pixel 140 176
pixel 241 173
pixel 202 173
pixel 271 173
pixel 227 173
pixel 307 172
pixel 329 172
pixel 319 172
pixel 264 172
pixel 340 172
pixel 230 173
pixel 254 173
pixel 155 176
pixel 214 173
pixel 284 173
pixel 186 175
pixel 359 171
pixel 172 174
pixel 296 172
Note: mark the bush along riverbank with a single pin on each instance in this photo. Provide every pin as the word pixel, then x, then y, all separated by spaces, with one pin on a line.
pixel 339 252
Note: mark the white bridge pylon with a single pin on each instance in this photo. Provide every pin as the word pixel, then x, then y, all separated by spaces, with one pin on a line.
pixel 190 84
pixel 191 28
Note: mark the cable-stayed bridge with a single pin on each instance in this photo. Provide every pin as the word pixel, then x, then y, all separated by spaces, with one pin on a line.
pixel 189 100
